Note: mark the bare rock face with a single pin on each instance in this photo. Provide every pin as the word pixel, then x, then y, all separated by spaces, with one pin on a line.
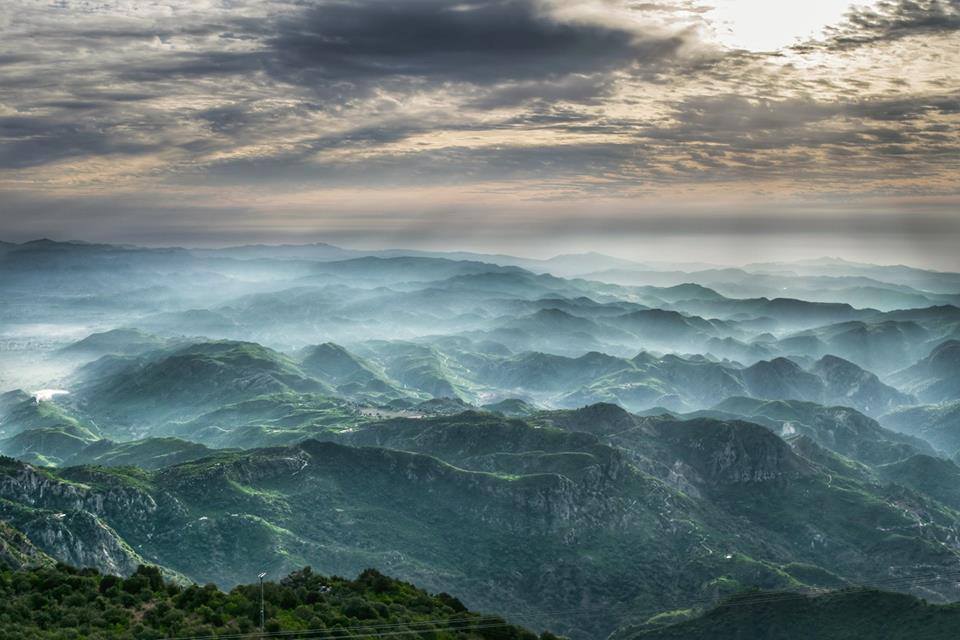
pixel 17 551
pixel 82 539
pixel 32 486
pixel 68 520
pixel 711 454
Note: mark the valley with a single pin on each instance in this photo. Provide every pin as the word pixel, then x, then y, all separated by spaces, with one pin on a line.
pixel 577 451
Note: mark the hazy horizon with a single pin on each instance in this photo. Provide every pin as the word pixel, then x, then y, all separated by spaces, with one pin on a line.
pixel 705 252
pixel 609 319
pixel 681 130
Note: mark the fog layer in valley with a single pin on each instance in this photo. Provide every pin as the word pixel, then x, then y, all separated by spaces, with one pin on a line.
pixel 773 425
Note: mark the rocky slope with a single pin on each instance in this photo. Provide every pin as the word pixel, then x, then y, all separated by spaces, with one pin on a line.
pixel 594 504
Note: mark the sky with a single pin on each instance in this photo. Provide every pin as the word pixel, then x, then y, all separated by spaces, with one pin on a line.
pixel 719 130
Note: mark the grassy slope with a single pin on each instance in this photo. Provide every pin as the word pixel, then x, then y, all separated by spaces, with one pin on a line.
pixel 844 615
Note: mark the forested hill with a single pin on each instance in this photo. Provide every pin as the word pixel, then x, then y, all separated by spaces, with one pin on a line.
pixel 58 602
pixel 854 614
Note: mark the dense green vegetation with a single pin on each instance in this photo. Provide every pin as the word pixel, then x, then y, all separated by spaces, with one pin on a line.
pixel 63 603
pixel 524 441
pixel 643 512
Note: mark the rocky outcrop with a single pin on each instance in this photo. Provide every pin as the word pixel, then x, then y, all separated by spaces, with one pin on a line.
pixel 32 486
pixel 712 454
pixel 16 550
pixel 83 540
pixel 68 520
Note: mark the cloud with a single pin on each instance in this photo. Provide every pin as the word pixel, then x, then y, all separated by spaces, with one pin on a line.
pixel 574 88
pixel 890 20
pixel 29 141
pixel 342 50
pixel 479 42
pixel 539 101
pixel 104 83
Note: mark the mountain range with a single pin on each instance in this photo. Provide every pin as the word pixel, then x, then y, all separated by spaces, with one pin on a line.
pixel 584 445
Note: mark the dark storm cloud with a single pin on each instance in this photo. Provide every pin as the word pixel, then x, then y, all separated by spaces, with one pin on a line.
pixel 195 65
pixel 30 141
pixel 531 100
pixel 758 124
pixel 341 50
pixel 481 42
pixel 889 20
pixel 327 57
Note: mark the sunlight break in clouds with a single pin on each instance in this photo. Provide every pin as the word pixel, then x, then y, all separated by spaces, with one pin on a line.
pixel 374 120
pixel 757 25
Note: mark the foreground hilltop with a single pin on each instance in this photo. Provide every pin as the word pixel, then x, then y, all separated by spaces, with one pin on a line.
pixel 635 514
pixel 60 602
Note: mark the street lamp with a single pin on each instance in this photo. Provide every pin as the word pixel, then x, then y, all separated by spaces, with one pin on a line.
pixel 261 576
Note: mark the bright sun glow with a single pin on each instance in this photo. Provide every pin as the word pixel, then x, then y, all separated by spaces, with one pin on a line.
pixel 768 25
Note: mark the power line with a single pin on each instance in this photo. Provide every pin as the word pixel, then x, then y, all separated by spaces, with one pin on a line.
pixel 466 625
pixel 495 621
pixel 336 635
pixel 375 627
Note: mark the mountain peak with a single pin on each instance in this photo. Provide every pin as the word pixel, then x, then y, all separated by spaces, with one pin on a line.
pixel 732 452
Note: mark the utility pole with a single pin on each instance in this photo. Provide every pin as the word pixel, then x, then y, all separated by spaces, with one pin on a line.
pixel 261 576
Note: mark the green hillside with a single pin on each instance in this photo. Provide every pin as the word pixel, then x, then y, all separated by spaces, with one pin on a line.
pixel 63 603
pixel 845 615
pixel 645 512
pixel 185 382
pixel 616 453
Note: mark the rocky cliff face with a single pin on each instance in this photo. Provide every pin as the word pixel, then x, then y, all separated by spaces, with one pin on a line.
pixel 82 539
pixel 710 454
pixel 35 487
pixel 526 505
pixel 17 551
pixel 68 519
pixel 480 442
pixel 545 502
